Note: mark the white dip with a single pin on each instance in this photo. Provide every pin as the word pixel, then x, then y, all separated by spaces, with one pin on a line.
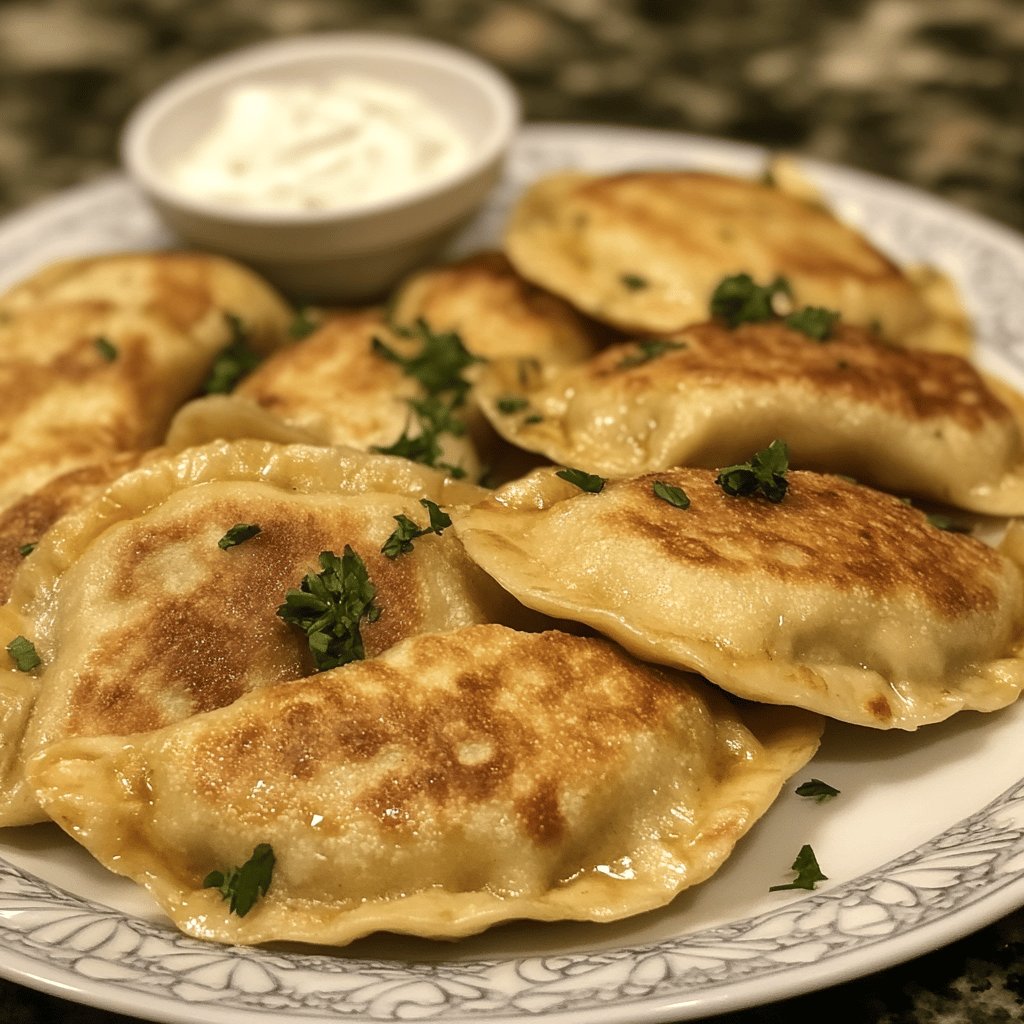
pixel 342 142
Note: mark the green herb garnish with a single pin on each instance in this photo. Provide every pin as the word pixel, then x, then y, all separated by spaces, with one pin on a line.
pixel 814 321
pixel 440 362
pixel 238 534
pixel 584 481
pixel 433 417
pixel 534 418
pixel 645 351
pixel 673 495
pixel 438 369
pixel 303 325
pixel 329 606
pixel 764 473
pixel 23 654
pixel 106 348
pixel 943 522
pixel 817 790
pixel 400 542
pixel 236 360
pixel 634 282
pixel 243 886
pixel 26 549
pixel 739 299
pixel 525 370
pixel 808 874
pixel 511 403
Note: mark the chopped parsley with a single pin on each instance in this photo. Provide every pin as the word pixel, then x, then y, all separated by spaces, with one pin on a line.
pixel 23 654
pixel 511 403
pixel 329 607
pixel 26 549
pixel 764 473
pixel 438 369
pixel 673 495
pixel 534 418
pixel 943 522
pixel 814 321
pixel 421 443
pixel 634 282
pixel 440 362
pixel 400 542
pixel 245 885
pixel 584 481
pixel 739 299
pixel 238 534
pixel 236 360
pixel 647 350
pixel 106 348
pixel 808 874
pixel 305 323
pixel 817 790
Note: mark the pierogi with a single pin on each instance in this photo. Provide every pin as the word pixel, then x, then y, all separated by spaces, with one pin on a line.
pixel 838 599
pixel 914 422
pixel 454 782
pixel 25 521
pixel 140 617
pixel 644 251
pixel 332 387
pixel 68 403
pixel 497 314
pixel 190 291
pixel 96 355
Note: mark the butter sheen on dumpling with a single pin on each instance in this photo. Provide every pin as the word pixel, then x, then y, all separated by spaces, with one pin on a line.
pixel 141 619
pixel 839 599
pixel 457 781
pixel 914 422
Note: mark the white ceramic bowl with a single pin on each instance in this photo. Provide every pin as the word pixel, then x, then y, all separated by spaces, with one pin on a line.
pixel 350 253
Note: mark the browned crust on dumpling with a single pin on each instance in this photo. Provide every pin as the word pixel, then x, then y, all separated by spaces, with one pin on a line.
pixel 28 519
pixel 189 290
pixel 916 422
pixel 198 625
pixel 852 362
pixel 827 531
pixel 141 618
pixel 496 312
pixel 336 387
pixel 458 781
pixel 96 354
pixel 335 361
pixel 644 251
pixel 466 741
pixel 64 404
pixel 838 599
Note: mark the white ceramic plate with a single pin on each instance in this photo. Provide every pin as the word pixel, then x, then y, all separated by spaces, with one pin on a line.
pixel 925 843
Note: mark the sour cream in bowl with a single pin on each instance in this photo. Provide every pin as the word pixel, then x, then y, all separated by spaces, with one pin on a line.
pixel 332 164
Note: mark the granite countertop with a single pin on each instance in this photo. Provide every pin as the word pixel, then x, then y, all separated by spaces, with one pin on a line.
pixel 930 92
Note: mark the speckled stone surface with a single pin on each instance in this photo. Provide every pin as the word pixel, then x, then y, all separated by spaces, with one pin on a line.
pixel 930 92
